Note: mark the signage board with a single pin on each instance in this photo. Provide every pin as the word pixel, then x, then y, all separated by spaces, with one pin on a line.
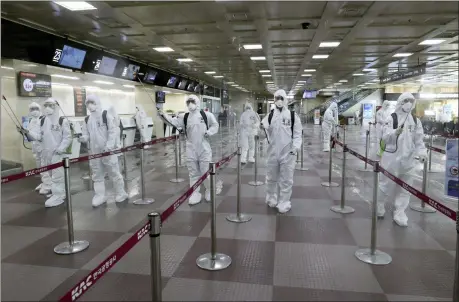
pixel 79 96
pixel 34 84
pixel 405 74
pixel 368 111
pixel 317 117
pixel 452 166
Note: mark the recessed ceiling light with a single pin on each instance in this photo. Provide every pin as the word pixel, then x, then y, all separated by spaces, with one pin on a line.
pixel 218 77
pixel 6 67
pixel 252 46
pixel 266 75
pixel 269 82
pixel 229 83
pixel 209 72
pixel 343 81
pixel 431 42
pixel 337 84
pixel 301 81
pixel 329 44
pixel 163 49
pixel 64 77
pixel 257 58
pixel 357 74
pixel 265 71
pixel 402 54
pixel 369 70
pixel 76 5
pixel 185 60
pixel 129 86
pixel 309 70
pixel 103 82
pixel 320 56
pixel 306 75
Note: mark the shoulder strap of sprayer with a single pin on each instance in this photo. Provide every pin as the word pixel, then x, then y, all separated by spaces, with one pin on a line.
pixel 204 117
pixel 104 118
pixel 395 120
pixel 292 118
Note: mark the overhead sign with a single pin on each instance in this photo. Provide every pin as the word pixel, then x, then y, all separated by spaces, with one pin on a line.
pixel 317 117
pixel 452 170
pixel 406 74
pixel 34 84
pixel 79 96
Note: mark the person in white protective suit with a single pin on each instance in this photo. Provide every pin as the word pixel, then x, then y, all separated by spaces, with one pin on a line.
pixel 357 117
pixel 285 140
pixel 55 137
pixel 141 122
pixel 198 150
pixel 403 139
pixel 34 126
pixel 381 118
pixel 101 134
pixel 329 123
pixel 116 122
pixel 249 125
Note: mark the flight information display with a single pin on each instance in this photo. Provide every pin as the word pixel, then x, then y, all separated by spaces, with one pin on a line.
pixel 106 66
pixel 69 57
pixel 130 71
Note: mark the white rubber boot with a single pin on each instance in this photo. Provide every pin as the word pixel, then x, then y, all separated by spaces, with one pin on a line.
pixel 54 201
pixel 99 197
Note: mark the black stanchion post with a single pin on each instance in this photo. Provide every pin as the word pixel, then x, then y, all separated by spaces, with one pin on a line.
pixel 213 261
pixel 72 246
pixel 238 217
pixel 155 257
pixel 142 200
pixel 372 255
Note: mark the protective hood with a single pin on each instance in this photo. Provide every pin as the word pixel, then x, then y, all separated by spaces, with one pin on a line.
pixel 195 98
pixel 401 98
pixel 333 107
pixel 112 111
pixel 55 116
pixel 283 94
pixel 96 101
pixel 36 106
pixel 385 105
pixel 248 107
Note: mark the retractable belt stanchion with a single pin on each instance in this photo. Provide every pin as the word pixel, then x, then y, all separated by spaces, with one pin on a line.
pixel 456 267
pixel 213 261
pixel 155 256
pixel 421 206
pixel 372 255
pixel 256 182
pixel 72 246
pixel 142 200
pixel 177 179
pixel 367 145
pixel 238 217
pixel 430 155
pixel 329 183
pixel 180 150
pixel 302 168
pixel 124 158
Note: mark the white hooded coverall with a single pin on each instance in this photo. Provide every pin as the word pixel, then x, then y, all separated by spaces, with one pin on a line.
pixel 198 150
pixel 402 161
pixel 141 122
pixel 329 123
pixel 102 138
pixel 34 126
pixel 55 139
pixel 249 125
pixel 116 121
pixel 381 119
pixel 281 154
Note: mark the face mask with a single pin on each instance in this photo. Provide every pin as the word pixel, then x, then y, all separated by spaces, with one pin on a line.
pixel 91 107
pixel 191 107
pixel 279 103
pixel 35 113
pixel 407 107
pixel 48 110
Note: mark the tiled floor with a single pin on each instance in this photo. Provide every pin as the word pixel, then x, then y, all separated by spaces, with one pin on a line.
pixel 304 255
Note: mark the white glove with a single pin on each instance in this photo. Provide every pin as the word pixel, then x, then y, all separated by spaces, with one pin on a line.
pixel 206 135
pixel 422 158
pixel 292 152
pixel 59 152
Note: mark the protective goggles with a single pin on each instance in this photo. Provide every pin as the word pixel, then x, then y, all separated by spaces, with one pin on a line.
pixel 191 101
pixel 90 102
pixel 34 109
pixel 278 98
pixel 50 105
pixel 408 101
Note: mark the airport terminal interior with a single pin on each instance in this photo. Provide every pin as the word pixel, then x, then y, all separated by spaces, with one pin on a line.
pixel 229 151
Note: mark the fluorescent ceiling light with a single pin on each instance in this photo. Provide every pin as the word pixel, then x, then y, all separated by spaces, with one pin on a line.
pixel 431 42
pixel 337 84
pixel 6 67
pixel 270 82
pixel 257 58
pixel 357 74
pixel 129 86
pixel 252 46
pixel 343 81
pixel 402 54
pixel 103 82
pixel 265 71
pixel 91 87
pixel 163 49
pixel 218 77
pixel 329 44
pixel 301 81
pixel 369 70
pixel 309 70
pixel 320 56
pixel 229 82
pixel 166 91
pixel 64 77
pixel 375 80
pixel 76 5
pixel 266 75
pixel 210 72
pixel 185 60
pixel 60 84
pixel 306 75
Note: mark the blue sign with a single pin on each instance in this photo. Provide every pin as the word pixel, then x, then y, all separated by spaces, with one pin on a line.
pixel 452 170
pixel 367 111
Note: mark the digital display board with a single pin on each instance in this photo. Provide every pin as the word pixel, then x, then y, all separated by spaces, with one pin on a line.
pixel 106 66
pixel 160 97
pixel 172 82
pixel 130 71
pixel 150 76
pixel 309 94
pixel 190 86
pixel 69 57
pixel 182 84
pixel 34 84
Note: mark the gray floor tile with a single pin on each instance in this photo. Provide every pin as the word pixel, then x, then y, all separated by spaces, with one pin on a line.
pixel 179 289
pixel 322 267
pixel 261 228
pixel 15 238
pixel 185 223
pixel 397 298
pixel 252 261
pixel 309 192
pixel 248 205
pixel 281 293
pixel 44 217
pixel 248 191
pixel 11 211
pixel 29 282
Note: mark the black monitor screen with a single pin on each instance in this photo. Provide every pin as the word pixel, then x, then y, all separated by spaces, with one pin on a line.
pixel 107 65
pixel 309 94
pixel 190 86
pixel 182 84
pixel 160 97
pixel 150 76
pixel 197 88
pixel 172 82
pixel 130 71
pixel 70 57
